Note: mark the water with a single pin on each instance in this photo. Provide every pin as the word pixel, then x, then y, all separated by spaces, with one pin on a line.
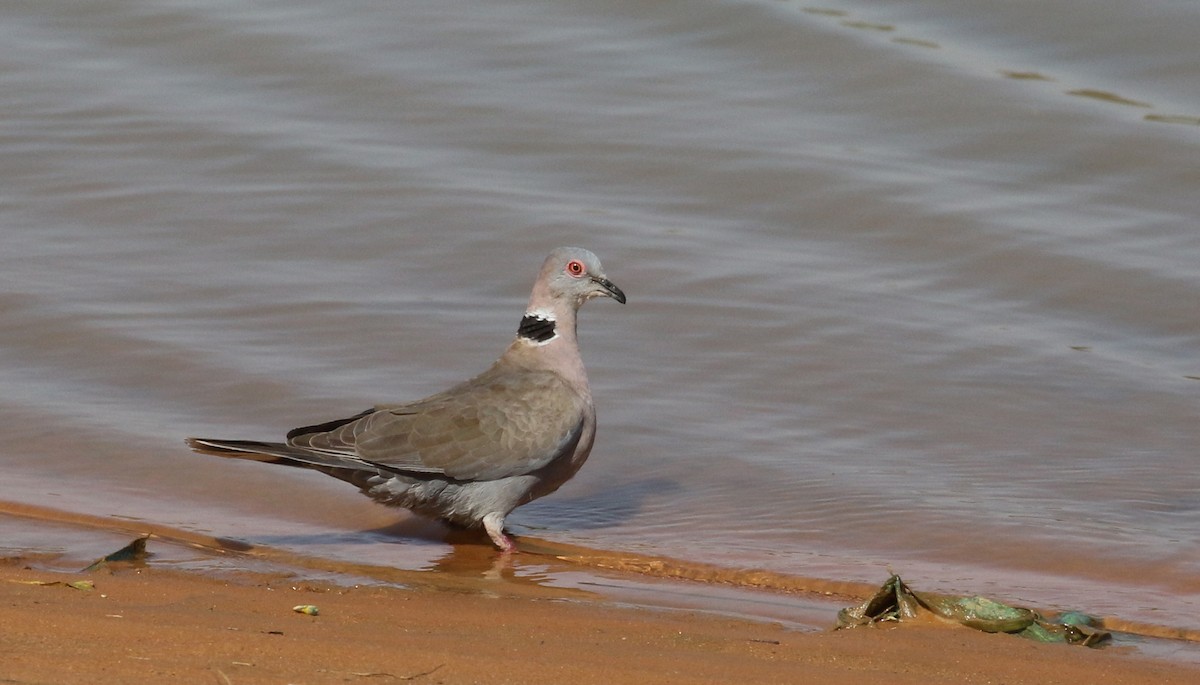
pixel 911 285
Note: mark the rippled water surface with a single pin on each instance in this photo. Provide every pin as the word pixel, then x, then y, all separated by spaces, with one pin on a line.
pixel 911 284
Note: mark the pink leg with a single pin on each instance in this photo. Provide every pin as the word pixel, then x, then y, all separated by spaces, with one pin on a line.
pixel 494 525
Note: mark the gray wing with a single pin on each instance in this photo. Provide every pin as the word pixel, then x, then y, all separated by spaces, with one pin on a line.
pixel 496 425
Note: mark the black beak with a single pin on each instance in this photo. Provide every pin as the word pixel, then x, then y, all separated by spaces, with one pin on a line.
pixel 610 289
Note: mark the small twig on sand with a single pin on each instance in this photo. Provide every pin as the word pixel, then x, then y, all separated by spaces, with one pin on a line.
pixel 399 677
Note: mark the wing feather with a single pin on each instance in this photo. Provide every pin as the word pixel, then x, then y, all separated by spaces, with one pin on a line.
pixel 499 424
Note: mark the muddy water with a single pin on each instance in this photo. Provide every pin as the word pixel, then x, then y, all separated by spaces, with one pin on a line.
pixel 910 286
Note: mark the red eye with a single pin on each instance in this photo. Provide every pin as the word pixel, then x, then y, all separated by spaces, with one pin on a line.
pixel 575 268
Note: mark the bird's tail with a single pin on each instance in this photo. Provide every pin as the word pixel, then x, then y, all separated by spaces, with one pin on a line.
pixel 275 453
pixel 350 469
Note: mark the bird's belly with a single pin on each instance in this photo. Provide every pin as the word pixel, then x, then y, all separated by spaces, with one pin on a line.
pixel 461 502
pixel 465 503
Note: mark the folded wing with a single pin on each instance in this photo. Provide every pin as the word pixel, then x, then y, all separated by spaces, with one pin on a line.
pixel 493 426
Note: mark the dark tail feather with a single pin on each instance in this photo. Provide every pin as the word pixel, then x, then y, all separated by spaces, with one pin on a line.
pixel 353 471
pixel 270 452
pixel 275 453
pixel 327 426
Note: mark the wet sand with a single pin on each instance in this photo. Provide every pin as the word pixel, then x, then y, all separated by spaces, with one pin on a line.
pixel 164 625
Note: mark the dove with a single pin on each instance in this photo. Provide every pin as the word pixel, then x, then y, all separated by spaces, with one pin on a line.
pixel 473 453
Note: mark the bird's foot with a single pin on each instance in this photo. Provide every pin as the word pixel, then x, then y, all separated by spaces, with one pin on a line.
pixel 494 525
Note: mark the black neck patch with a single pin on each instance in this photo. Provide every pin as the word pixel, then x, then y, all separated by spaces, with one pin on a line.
pixel 536 328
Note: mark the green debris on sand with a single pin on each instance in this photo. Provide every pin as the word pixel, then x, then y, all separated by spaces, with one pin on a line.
pixel 133 553
pixel 895 601
pixel 85 585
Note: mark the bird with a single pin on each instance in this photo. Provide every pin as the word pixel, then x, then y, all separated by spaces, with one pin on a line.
pixel 471 454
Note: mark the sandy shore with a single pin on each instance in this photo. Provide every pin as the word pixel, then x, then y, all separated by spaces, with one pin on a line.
pixel 158 626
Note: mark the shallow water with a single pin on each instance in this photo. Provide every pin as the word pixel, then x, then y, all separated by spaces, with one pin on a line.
pixel 911 286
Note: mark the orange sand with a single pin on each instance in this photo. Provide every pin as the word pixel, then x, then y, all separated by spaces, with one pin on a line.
pixel 161 626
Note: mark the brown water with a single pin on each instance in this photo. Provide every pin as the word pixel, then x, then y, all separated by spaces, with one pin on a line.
pixel 912 285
